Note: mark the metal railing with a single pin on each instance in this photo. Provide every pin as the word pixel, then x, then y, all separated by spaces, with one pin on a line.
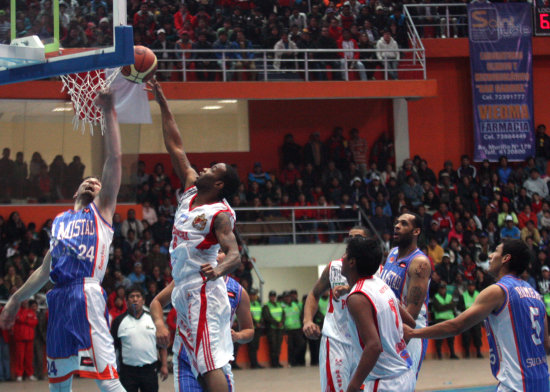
pixel 440 20
pixel 301 64
pixel 281 225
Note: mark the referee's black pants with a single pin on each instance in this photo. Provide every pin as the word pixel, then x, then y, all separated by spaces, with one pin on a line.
pixel 139 378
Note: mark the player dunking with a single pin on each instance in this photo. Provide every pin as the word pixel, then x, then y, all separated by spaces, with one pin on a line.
pixel 335 351
pixel 515 320
pixel 407 271
pixel 381 361
pixel 78 338
pixel 203 223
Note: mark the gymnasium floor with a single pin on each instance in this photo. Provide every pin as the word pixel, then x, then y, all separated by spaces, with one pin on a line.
pixel 472 375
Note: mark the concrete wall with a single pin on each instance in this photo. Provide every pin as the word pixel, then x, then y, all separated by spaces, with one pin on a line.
pixel 286 267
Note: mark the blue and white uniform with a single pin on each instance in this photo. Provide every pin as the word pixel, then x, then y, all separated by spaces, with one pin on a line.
pixel 393 370
pixel 184 379
pixel 395 274
pixel 516 338
pixel 78 337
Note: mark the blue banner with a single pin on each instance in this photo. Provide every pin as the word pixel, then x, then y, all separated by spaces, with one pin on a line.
pixel 501 59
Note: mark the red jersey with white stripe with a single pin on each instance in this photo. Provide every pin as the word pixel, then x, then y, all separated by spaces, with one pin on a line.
pixel 193 239
pixel 394 359
pixel 335 325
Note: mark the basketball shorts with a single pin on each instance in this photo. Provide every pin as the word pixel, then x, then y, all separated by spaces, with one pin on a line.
pixel 335 365
pixel 184 378
pixel 204 322
pixel 405 382
pixel 78 337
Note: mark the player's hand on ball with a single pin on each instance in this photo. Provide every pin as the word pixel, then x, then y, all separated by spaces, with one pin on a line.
pixel 9 313
pixel 154 86
pixel 312 330
pixel 163 336
pixel 105 99
pixel 209 272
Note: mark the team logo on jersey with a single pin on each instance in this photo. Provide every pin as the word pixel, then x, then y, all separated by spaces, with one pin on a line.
pixel 199 222
pixel 86 361
pixel 402 264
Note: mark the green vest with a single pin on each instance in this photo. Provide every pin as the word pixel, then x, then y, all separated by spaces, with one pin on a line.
pixel 323 305
pixel 292 316
pixel 256 311
pixel 547 303
pixel 276 311
pixel 469 299
pixel 446 314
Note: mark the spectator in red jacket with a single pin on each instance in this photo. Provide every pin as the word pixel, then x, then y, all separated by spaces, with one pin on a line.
pixel 350 55
pixel 23 334
pixel 444 218
pixel 181 16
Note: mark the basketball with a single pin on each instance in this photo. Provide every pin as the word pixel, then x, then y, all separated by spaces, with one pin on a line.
pixel 144 67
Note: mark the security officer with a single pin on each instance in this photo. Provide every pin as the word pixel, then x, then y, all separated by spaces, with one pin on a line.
pixel 443 308
pixel 256 311
pixel 274 318
pixel 465 301
pixel 134 333
pixel 293 328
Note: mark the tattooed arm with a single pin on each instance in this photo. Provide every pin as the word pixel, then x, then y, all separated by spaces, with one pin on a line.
pixel 419 274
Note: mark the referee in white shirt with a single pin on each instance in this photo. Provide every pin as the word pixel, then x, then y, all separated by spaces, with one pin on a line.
pixel 134 333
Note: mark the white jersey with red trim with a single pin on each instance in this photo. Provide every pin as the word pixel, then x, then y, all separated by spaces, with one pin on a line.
pixel 335 325
pixel 394 359
pixel 193 239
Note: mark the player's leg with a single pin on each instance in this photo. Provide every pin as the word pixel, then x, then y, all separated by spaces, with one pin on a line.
pixel 405 382
pixel 216 381
pixel 113 385
pixel 63 386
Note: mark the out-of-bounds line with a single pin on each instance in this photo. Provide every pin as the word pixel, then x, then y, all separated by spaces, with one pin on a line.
pixel 491 388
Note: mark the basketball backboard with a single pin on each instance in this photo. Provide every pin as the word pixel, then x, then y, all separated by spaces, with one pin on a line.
pixel 55 37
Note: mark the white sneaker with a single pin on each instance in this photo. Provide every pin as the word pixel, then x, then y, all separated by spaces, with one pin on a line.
pixel 19 379
pixel 443 36
pixel 32 378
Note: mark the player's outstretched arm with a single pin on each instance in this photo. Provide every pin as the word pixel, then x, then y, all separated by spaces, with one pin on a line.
pixel 311 330
pixel 112 168
pixel 228 243
pixel 419 273
pixel 244 317
pixel 172 138
pixel 489 300
pixel 157 304
pixel 35 282
pixel 362 312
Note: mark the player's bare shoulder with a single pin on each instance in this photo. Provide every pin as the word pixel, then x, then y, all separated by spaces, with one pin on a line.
pixel 420 267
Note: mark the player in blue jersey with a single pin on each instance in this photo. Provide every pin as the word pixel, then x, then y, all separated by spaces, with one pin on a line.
pixel 78 338
pixel 515 320
pixel 407 271
pixel 184 378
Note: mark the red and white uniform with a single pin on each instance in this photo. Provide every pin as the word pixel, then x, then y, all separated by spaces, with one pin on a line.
pixel 393 370
pixel 204 313
pixel 335 363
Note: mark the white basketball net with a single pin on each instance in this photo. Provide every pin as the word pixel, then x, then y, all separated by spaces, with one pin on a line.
pixel 83 88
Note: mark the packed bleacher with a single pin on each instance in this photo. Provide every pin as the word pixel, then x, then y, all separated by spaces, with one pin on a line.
pixel 466 209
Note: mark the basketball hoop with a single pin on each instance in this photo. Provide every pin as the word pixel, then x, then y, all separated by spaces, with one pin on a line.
pixel 83 88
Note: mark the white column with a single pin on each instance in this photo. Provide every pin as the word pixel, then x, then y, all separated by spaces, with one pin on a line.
pixel 401 130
